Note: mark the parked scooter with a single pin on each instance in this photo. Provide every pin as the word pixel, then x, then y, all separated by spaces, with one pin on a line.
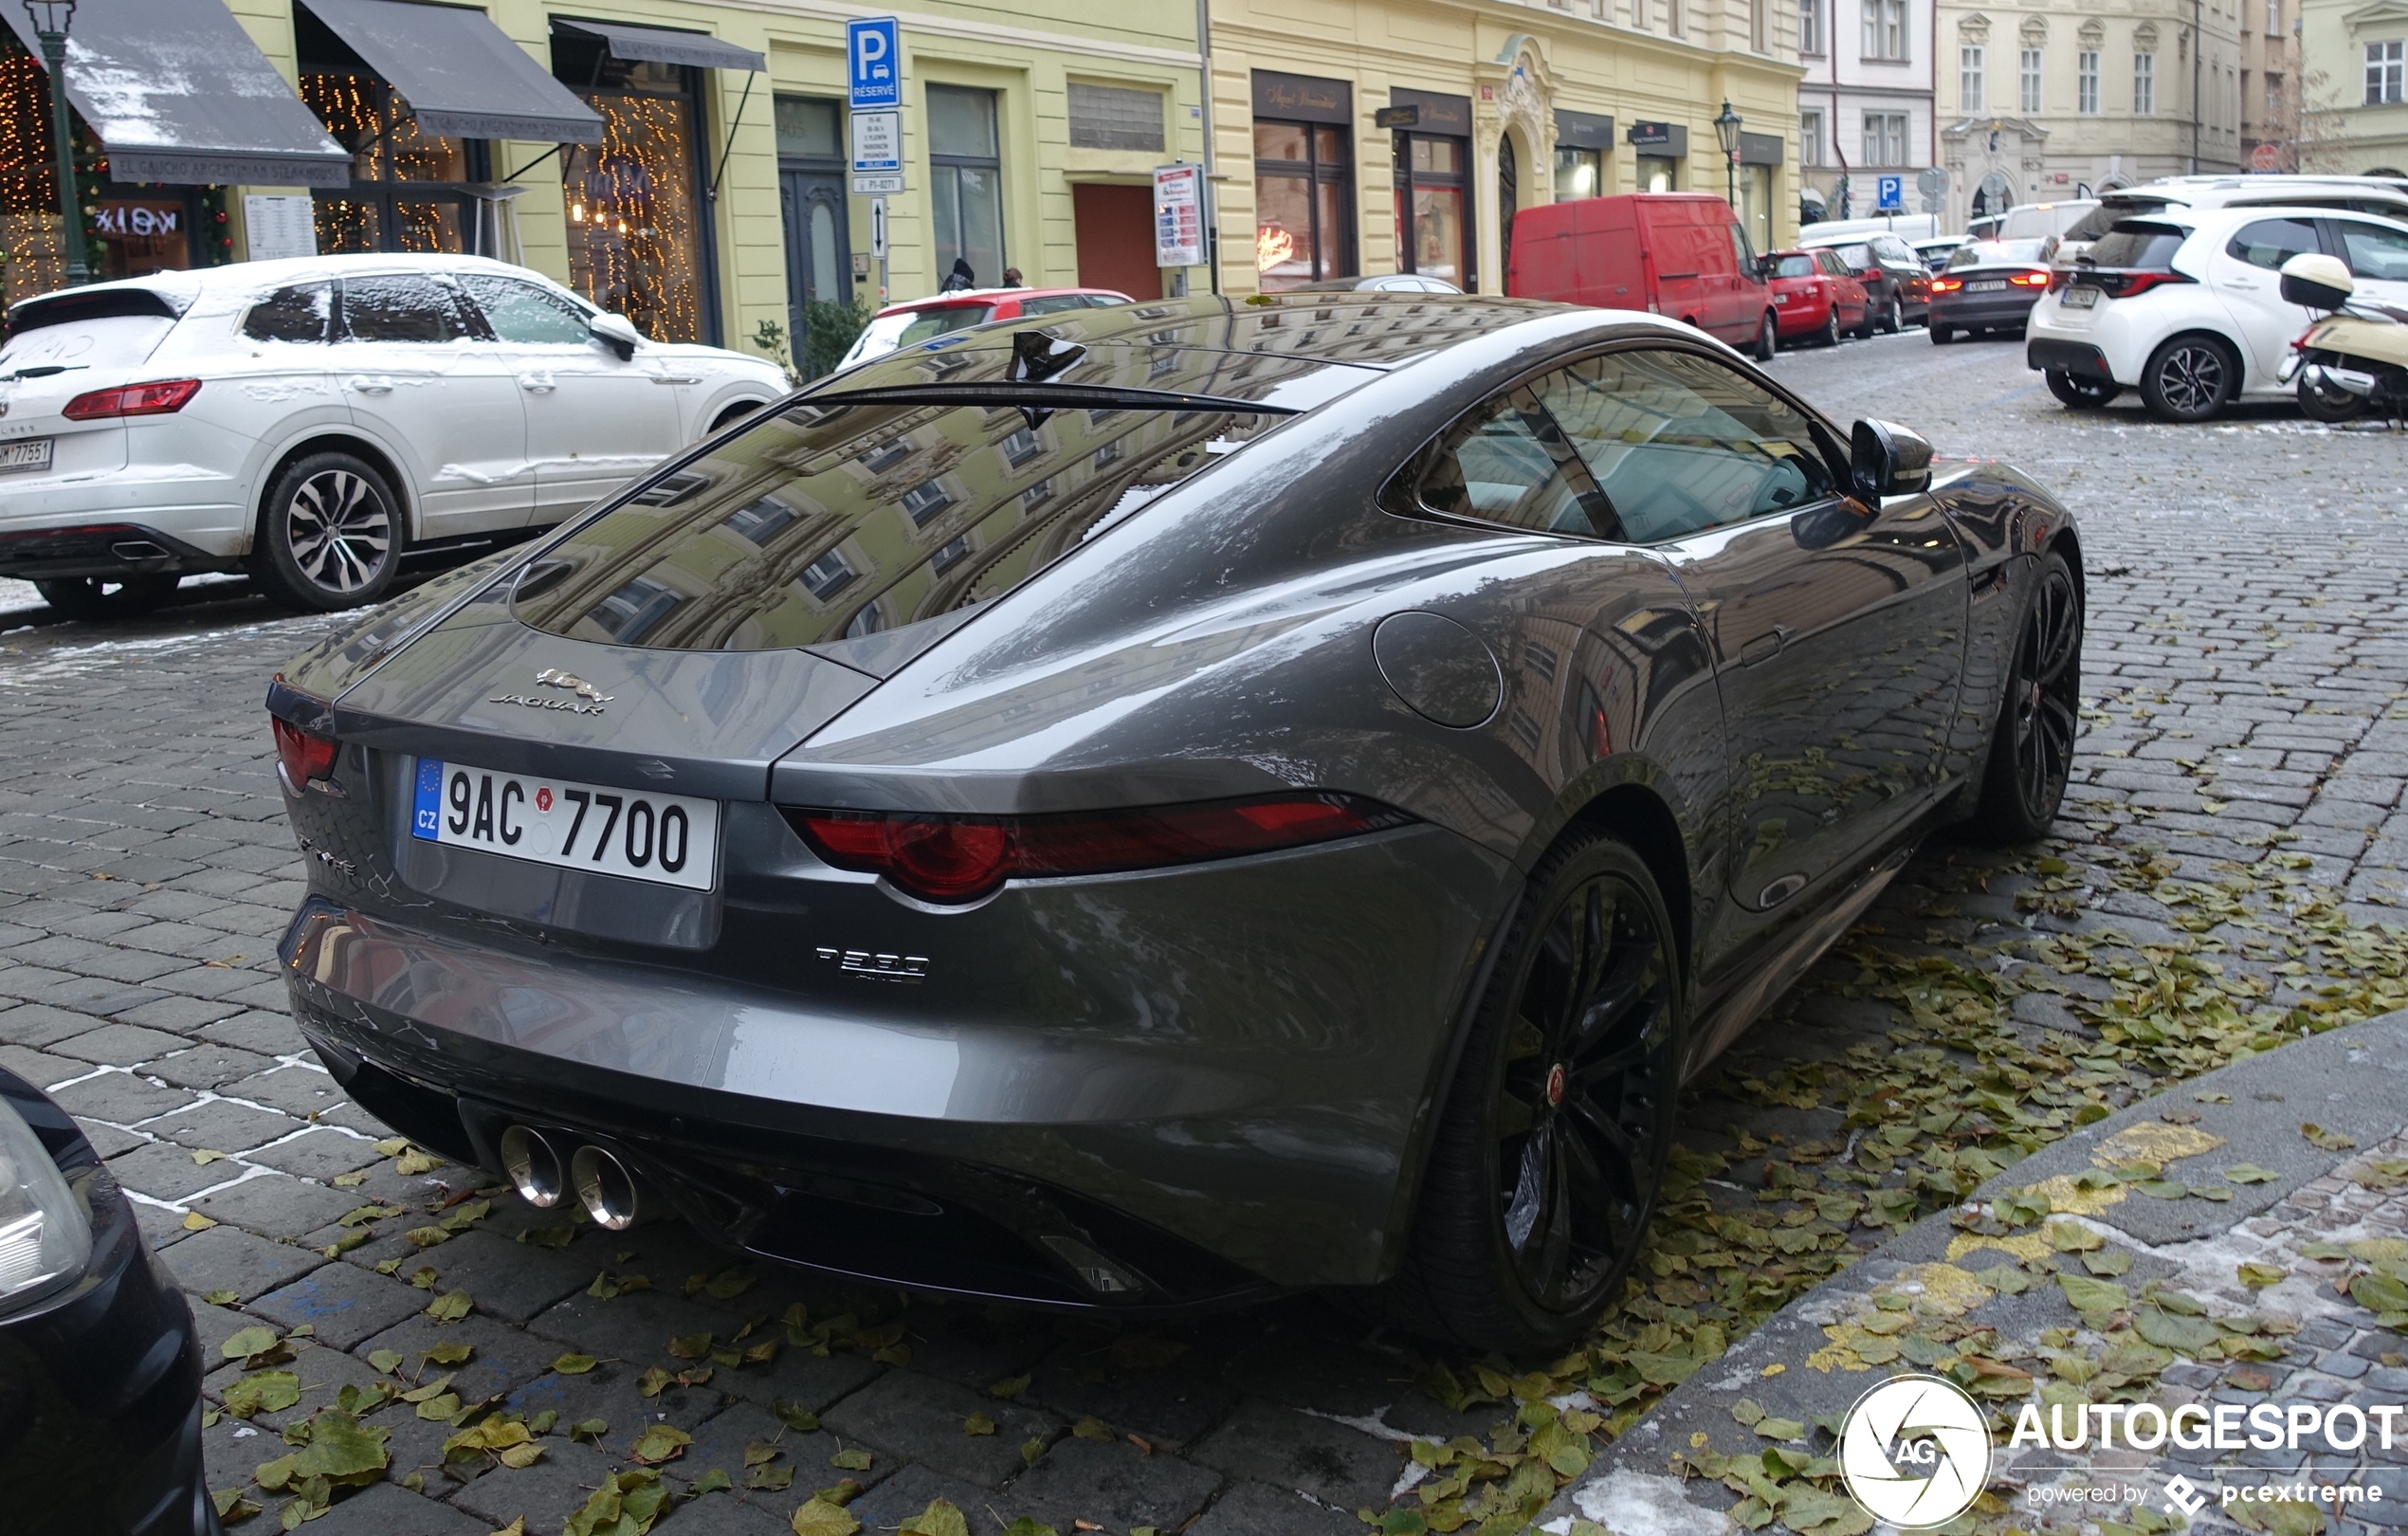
pixel 2353 361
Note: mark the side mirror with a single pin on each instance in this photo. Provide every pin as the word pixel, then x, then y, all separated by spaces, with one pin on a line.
pixel 616 332
pixel 2317 280
pixel 1885 459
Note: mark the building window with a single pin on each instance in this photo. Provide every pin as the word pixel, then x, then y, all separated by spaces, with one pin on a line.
pixel 1885 28
pixel 1969 76
pixel 1578 173
pixel 2382 73
pixel 2030 95
pixel 2273 18
pixel 407 190
pixel 926 500
pixel 638 241
pixel 2145 84
pixel 1810 26
pixel 1303 187
pixel 1756 24
pixel 2273 99
pixel 2085 81
pixel 1432 201
pixel 1885 141
pixel 827 575
pixel 965 183
pixel 1114 118
pixel 1809 138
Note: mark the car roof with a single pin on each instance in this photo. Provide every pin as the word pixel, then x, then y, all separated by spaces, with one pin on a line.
pixel 961 297
pixel 193 281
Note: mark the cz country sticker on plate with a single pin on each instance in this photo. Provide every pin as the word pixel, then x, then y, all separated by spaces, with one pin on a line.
pixel 668 839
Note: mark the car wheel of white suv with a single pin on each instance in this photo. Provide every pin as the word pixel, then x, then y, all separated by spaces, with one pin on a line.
pixel 329 535
pixel 2189 379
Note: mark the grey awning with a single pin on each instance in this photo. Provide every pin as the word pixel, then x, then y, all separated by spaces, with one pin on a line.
pixel 178 92
pixel 459 73
pixel 662 44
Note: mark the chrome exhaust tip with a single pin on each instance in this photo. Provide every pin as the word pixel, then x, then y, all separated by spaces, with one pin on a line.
pixel 534 1168
pixel 604 1187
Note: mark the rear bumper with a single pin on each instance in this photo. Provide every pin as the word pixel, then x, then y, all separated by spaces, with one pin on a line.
pixel 2011 308
pixel 1801 316
pixel 1217 1077
pixel 100 1396
pixel 2079 358
pixel 107 550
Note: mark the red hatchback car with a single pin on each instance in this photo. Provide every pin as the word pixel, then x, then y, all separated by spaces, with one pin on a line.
pixel 922 319
pixel 1815 297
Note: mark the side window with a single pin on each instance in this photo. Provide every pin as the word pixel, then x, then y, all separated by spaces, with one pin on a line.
pixel 1680 444
pixel 2270 243
pixel 1509 463
pixel 400 308
pixel 522 313
pixel 1052 304
pixel 299 313
pixel 2374 251
pixel 1833 264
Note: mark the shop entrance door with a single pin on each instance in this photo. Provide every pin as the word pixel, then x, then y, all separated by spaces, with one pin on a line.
pixel 818 248
pixel 1116 238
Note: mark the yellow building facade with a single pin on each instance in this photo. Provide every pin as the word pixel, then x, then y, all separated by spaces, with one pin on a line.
pixel 1396 136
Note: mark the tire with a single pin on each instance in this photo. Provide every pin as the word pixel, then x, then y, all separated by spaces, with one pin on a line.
pixel 329 535
pixel 2030 757
pixel 2330 407
pixel 99 598
pixel 1894 318
pixel 1545 1163
pixel 1767 338
pixel 1829 335
pixel 1941 335
pixel 2079 393
pixel 2190 378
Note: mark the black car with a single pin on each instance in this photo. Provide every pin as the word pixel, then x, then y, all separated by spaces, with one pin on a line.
pixel 1169 803
pixel 1990 285
pixel 1893 277
pixel 99 1363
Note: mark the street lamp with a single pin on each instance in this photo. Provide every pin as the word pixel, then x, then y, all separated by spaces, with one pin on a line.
pixel 51 19
pixel 1726 129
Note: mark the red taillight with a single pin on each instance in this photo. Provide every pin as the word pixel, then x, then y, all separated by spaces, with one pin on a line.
pixel 1946 285
pixel 133 400
pixel 304 756
pixel 961 858
pixel 2126 284
pixel 2030 280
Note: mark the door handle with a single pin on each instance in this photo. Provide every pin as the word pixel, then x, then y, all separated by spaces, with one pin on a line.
pixel 536 383
pixel 677 378
pixel 371 386
pixel 1764 647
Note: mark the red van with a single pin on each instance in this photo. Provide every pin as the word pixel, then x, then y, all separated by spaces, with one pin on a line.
pixel 1680 254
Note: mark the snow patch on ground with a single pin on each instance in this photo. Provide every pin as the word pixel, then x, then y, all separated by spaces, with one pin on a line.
pixel 1647 1504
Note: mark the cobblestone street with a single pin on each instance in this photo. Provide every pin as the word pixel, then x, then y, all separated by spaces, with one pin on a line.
pixel 2241 776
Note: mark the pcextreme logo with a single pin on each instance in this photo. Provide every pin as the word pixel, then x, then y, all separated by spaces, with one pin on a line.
pixel 1915 1452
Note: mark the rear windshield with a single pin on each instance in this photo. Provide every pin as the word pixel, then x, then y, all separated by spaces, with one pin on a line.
pixel 828 523
pixel 2040 221
pixel 1795 267
pixel 1996 253
pixel 928 323
pixel 1857 257
pixel 2101 218
pixel 2134 244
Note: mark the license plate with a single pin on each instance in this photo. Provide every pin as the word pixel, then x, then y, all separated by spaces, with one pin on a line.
pixel 1780 298
pixel 668 839
pixel 1985 287
pixel 33 453
pixel 2081 298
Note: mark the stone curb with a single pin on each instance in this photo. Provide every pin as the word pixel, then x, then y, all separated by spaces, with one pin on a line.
pixel 2353 1081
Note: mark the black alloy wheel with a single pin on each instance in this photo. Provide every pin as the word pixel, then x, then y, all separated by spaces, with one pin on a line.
pixel 2079 393
pixel 329 537
pixel 2031 748
pixel 1767 338
pixel 106 597
pixel 1893 317
pixel 2331 404
pixel 1829 335
pixel 2190 378
pixel 1546 1161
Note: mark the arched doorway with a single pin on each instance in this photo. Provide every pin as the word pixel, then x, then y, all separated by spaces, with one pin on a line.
pixel 1508 196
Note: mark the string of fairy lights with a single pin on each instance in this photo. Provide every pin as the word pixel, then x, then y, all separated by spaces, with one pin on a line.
pixel 634 243
pixel 366 117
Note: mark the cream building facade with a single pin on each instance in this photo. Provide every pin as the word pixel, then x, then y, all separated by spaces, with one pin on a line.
pixel 2353 98
pixel 1864 107
pixel 2045 102
pixel 1390 135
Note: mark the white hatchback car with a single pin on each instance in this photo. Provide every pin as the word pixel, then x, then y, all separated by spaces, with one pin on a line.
pixel 2186 306
pixel 313 420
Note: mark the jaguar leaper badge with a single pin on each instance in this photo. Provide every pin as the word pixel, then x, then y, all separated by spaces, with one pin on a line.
pixel 555 677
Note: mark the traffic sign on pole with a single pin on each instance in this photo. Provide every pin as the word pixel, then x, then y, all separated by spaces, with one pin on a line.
pixel 1889 194
pixel 874 60
pixel 878 228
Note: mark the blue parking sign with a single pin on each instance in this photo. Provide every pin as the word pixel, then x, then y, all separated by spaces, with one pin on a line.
pixel 1891 195
pixel 874 60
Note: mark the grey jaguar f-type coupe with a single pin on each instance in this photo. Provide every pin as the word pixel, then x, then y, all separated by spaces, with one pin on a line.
pixel 1163 805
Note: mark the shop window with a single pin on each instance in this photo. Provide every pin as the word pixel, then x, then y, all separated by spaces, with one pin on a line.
pixel 129 231
pixel 407 190
pixel 1303 191
pixel 638 243
pixel 1432 199
pixel 1115 117
pixel 1578 173
pixel 1659 174
pixel 965 183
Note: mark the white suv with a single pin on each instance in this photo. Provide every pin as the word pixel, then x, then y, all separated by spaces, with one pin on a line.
pixel 312 420
pixel 2187 307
